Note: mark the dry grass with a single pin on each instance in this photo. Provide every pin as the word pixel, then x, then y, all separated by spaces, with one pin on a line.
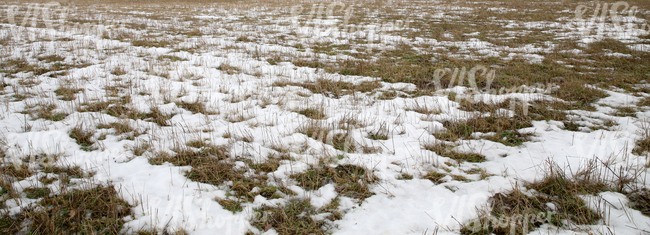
pixel 119 127
pixel 580 96
pixel 212 165
pixel 96 106
pixel 194 107
pixel 511 205
pixel 151 43
pixel 352 181
pixel 230 204
pixel 423 109
pixel 93 211
pixel 121 111
pixel 328 135
pixel 295 217
pixel 45 111
pixel 640 201
pixel 119 71
pixel 405 176
pixel 172 58
pixel 67 171
pixel 34 193
pixel 334 89
pixel 18 171
pixel 14 66
pixel 564 192
pixel 316 130
pixel 644 102
pixel 445 151
pixel 435 177
pixel 84 137
pixel 580 79
pixel 503 126
pixel 381 133
pixel 558 188
pixel 643 144
pixel 229 69
pixel 66 93
pixel 312 113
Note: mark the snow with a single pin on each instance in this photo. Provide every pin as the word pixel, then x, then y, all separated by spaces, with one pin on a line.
pixel 164 196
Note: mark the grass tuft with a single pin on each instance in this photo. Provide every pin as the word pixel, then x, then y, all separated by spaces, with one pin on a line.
pixel 643 144
pixel 229 69
pixel 231 205
pixel 93 211
pixel 312 113
pixel 445 151
pixel 527 211
pixel 352 181
pixel 641 201
pixel 83 137
pixel 381 133
pixel 34 193
pixel 334 89
pixel 119 127
pixel 194 107
pixel 295 217
pixel 46 111
pixel 66 93
pixel 435 177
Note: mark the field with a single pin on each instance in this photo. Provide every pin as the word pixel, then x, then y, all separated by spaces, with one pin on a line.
pixel 321 117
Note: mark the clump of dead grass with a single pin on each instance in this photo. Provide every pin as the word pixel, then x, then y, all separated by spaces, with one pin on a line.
pixel 212 165
pixel 96 210
pixel 640 201
pixel 579 95
pixel 229 69
pixel 503 120
pixel 445 151
pixel 524 211
pixel 334 89
pixel 351 180
pixel 194 107
pixel 434 176
pixel 294 217
pixel 327 134
pixel 119 127
pixel 67 93
pixel 45 111
pixel 312 113
pixel 381 133
pixel 84 137
pixel 643 144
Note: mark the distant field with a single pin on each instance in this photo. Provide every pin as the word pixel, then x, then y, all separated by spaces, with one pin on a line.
pixel 321 117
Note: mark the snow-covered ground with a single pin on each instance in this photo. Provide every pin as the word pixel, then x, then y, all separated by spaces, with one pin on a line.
pixel 232 60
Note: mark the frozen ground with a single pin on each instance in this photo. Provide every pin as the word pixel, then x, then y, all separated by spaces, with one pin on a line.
pixel 206 118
